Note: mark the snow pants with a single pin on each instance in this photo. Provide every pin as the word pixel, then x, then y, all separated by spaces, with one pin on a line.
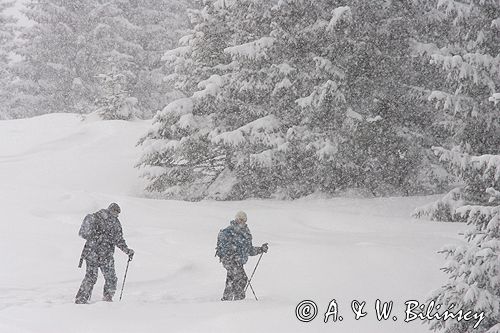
pixel 236 281
pixel 108 271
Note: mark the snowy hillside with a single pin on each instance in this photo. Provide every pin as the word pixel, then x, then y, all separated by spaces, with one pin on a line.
pixel 55 169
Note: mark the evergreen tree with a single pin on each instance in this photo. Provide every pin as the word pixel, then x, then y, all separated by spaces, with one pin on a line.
pixel 465 51
pixel 69 44
pixel 297 89
pixel 7 34
pixel 141 30
pixel 466 55
pixel 115 101
pixel 309 96
pixel 177 156
pixel 384 98
pixel 117 57
pixel 474 268
pixel 57 70
pixel 7 30
pixel 200 53
pixel 161 25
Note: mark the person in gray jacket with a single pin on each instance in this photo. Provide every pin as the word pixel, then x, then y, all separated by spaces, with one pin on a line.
pixel 103 232
pixel 234 245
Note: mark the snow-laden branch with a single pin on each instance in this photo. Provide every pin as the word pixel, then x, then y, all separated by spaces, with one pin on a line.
pixel 253 50
pixel 262 130
pixel 340 14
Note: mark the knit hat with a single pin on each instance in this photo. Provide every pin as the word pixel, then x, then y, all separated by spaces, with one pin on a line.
pixel 114 208
pixel 241 216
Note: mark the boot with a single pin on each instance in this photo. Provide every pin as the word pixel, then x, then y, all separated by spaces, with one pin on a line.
pixel 81 301
pixel 107 298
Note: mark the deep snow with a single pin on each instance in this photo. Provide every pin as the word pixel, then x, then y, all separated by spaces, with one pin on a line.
pixel 54 169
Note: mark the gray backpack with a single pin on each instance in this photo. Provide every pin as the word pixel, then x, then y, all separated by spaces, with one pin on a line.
pixel 88 227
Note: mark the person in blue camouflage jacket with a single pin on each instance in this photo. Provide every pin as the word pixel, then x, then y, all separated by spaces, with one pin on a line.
pixel 103 232
pixel 234 245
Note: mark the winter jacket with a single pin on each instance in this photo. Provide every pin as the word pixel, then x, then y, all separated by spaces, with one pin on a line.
pixel 234 244
pixel 103 232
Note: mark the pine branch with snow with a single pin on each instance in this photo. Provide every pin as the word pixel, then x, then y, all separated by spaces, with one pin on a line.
pixel 481 175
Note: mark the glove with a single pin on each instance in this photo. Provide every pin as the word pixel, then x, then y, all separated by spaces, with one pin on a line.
pixel 130 254
pixel 264 248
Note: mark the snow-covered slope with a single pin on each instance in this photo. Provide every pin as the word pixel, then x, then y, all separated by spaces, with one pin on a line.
pixel 55 169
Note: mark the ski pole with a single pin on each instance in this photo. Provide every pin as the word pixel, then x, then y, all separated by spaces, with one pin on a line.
pixel 248 284
pixel 123 284
pixel 253 291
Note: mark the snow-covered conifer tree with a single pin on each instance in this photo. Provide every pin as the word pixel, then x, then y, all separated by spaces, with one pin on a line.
pixel 310 94
pixel 465 51
pixel 142 31
pixel 466 55
pixel 6 44
pixel 332 64
pixel 474 191
pixel 57 71
pixel 70 42
pixel 280 115
pixel 161 24
pixel 117 56
pixel 385 98
pixel 178 159
pixel 115 101
pixel 474 267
